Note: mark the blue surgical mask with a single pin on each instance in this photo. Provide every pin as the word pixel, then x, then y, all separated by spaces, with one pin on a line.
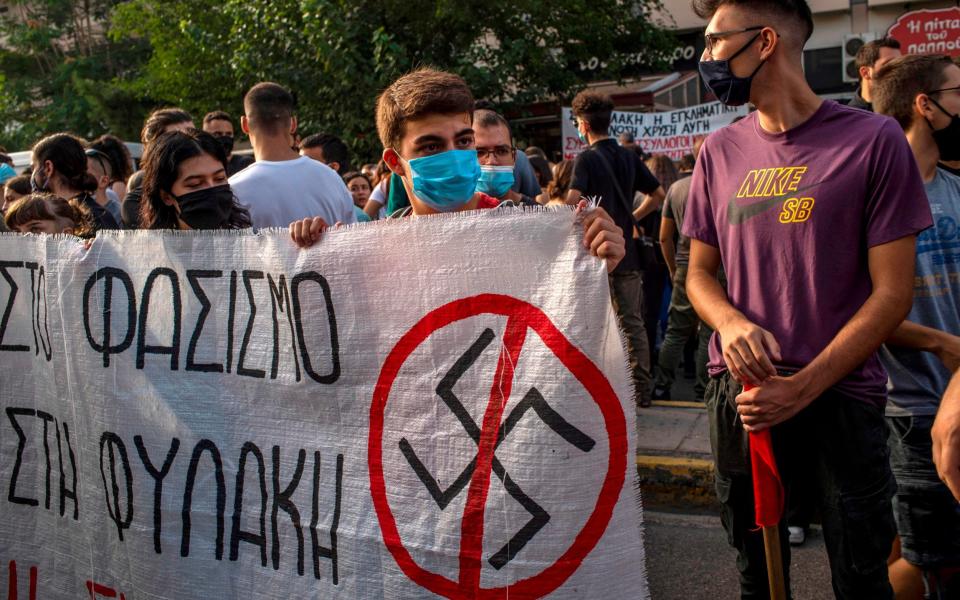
pixel 445 181
pixel 495 180
pixel 727 87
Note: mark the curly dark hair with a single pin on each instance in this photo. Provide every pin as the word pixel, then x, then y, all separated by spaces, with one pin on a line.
pixel 594 108
pixel 162 168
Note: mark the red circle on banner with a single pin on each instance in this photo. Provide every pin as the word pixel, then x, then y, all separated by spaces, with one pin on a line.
pixel 520 317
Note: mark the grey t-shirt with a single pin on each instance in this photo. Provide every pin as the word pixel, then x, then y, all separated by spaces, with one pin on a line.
pixel 673 208
pixel 918 379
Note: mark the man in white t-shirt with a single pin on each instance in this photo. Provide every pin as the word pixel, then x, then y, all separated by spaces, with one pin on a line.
pixel 282 186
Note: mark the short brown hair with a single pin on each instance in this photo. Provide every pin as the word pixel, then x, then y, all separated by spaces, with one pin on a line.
pixel 269 107
pixel 594 108
pixel 897 84
pixel 797 11
pixel 423 92
pixel 217 115
pixel 42 206
pixel 869 53
pixel 159 120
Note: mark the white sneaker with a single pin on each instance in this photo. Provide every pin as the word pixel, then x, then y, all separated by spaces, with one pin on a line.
pixel 797 536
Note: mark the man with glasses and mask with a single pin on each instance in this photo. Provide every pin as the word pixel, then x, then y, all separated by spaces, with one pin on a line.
pixel 923 94
pixel 817 236
pixel 497 157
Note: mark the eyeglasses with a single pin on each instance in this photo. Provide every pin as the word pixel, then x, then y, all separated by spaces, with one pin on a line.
pixel 711 39
pixel 949 89
pixel 499 152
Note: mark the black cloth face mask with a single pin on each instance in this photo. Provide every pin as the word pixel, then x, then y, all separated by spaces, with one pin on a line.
pixel 727 87
pixel 948 138
pixel 209 208
pixel 227 142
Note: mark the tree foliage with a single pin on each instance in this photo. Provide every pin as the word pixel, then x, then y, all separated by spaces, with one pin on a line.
pixel 337 55
pixel 60 72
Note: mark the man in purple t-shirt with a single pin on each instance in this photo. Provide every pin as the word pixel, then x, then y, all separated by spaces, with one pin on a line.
pixel 814 209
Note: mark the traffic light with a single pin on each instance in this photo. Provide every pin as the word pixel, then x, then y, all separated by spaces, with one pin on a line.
pixel 852 42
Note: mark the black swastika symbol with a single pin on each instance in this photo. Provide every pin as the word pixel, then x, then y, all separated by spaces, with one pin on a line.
pixel 532 400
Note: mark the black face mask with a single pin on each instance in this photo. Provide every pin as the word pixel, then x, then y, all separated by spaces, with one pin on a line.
pixel 727 87
pixel 948 138
pixel 227 142
pixel 208 208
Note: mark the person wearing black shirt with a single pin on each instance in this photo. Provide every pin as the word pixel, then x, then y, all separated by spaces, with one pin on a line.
pixel 612 175
pixel 870 58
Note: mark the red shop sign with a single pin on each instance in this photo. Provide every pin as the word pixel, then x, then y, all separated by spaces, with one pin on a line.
pixel 928 31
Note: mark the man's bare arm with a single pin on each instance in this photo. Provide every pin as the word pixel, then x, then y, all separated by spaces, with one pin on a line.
pixel 946 437
pixel 651 202
pixel 927 339
pixel 779 398
pixel 668 228
pixel 747 348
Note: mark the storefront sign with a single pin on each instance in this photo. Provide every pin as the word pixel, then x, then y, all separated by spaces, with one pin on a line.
pixel 928 31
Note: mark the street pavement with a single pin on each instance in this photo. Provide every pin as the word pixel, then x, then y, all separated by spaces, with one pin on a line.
pixel 688 559
pixel 687 554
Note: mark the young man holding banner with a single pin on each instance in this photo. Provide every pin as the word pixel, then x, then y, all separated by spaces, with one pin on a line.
pixel 817 238
pixel 425 121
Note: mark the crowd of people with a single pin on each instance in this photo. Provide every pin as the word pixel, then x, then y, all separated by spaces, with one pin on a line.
pixel 811 250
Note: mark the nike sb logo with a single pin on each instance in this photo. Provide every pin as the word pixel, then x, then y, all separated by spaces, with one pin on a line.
pixel 774 185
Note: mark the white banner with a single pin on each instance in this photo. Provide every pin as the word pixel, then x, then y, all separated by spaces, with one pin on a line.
pixel 671 133
pixel 432 407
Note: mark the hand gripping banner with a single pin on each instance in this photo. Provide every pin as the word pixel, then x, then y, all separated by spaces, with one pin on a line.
pixel 429 407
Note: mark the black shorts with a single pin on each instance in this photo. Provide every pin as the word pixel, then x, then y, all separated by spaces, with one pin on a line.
pixel 928 516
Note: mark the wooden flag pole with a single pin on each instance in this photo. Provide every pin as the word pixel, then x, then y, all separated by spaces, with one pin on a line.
pixel 771 546
pixel 771 532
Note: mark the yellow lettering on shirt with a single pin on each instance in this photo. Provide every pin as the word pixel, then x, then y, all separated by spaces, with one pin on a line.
pixel 771 181
pixel 796 210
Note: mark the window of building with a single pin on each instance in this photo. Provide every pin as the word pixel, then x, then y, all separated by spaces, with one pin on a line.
pixel 824 70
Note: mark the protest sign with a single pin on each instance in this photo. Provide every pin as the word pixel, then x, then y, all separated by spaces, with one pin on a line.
pixel 224 415
pixel 671 133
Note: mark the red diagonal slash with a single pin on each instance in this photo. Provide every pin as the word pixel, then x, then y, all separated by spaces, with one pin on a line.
pixel 471 526
pixel 102 590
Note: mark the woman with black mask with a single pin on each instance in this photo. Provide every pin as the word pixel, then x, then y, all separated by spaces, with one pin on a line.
pixel 60 167
pixel 185 185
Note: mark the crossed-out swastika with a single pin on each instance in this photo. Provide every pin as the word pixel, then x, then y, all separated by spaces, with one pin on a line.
pixel 533 400
pixel 488 433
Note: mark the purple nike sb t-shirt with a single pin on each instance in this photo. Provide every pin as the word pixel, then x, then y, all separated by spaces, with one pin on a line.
pixel 794 214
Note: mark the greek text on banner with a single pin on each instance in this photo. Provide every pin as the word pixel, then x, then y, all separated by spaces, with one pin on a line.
pixel 220 415
pixel 671 133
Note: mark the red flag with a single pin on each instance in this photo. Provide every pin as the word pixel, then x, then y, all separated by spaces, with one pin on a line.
pixel 767 485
